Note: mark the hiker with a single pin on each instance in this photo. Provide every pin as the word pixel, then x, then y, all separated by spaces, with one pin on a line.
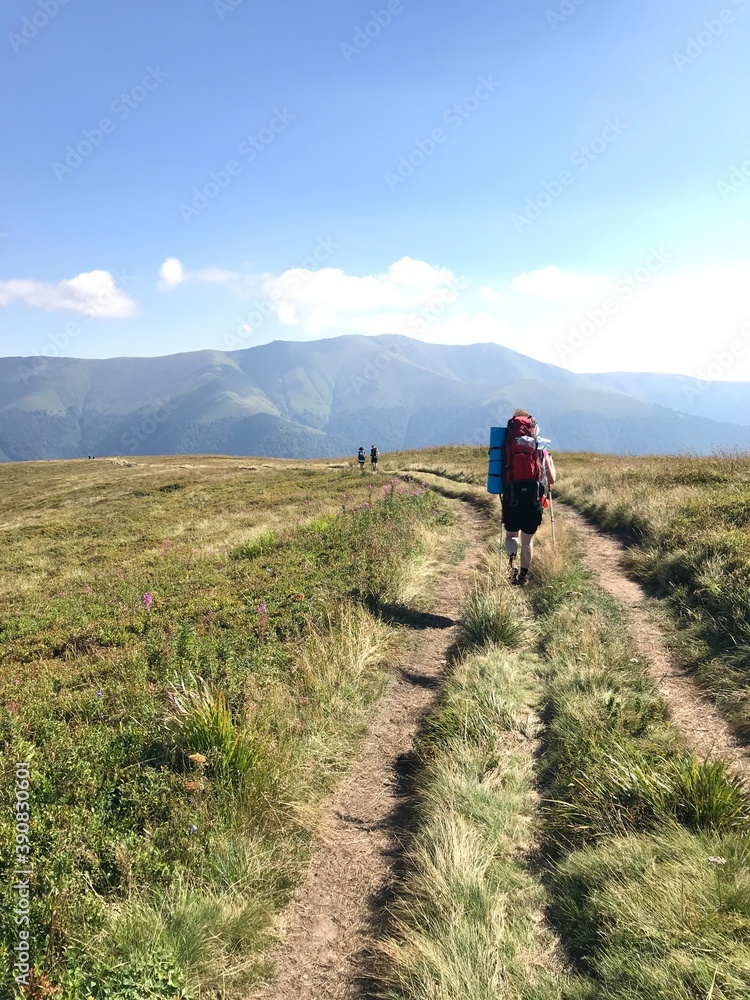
pixel 374 458
pixel 361 459
pixel 528 471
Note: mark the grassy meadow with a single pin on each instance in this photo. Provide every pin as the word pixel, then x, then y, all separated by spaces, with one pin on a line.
pixel 566 846
pixel 188 648
pixel 687 521
pixel 189 651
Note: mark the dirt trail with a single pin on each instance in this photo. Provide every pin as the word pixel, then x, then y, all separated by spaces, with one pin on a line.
pixel 328 927
pixel 693 712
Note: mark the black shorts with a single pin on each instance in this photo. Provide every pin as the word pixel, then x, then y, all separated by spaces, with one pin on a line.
pixel 524 517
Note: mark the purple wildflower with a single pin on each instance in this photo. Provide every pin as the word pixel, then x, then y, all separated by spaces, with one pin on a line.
pixel 148 600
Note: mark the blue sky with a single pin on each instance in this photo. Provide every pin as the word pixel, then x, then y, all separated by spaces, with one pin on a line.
pixel 571 180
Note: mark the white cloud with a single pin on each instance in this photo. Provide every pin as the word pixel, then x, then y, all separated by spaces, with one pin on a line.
pixel 492 295
pixel 676 323
pixel 330 299
pixel 554 283
pixel 171 274
pixel 213 276
pixel 656 320
pixel 93 293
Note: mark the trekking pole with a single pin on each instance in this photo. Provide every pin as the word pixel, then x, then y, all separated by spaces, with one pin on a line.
pixel 551 514
pixel 502 543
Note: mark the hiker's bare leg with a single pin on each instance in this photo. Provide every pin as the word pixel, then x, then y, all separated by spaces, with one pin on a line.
pixel 511 544
pixel 527 550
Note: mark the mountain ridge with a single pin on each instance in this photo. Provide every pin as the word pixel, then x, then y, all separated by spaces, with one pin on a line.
pixel 324 398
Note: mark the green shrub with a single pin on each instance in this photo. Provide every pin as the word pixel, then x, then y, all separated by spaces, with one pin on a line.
pixel 706 795
pixel 199 720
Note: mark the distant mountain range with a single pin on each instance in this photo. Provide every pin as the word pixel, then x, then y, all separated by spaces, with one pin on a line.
pixel 328 397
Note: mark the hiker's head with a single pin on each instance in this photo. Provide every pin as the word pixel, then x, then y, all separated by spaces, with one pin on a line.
pixel 521 413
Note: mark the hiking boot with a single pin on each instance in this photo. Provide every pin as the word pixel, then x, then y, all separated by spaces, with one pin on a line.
pixel 513 569
pixel 522 581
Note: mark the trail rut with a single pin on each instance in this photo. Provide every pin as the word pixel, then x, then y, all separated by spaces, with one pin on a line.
pixel 327 930
pixel 696 716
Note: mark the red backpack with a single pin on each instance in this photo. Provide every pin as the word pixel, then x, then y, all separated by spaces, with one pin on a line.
pixel 523 469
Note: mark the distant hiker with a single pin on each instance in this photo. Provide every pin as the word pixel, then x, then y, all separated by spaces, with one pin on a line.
pixel 528 471
pixel 361 459
pixel 374 458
